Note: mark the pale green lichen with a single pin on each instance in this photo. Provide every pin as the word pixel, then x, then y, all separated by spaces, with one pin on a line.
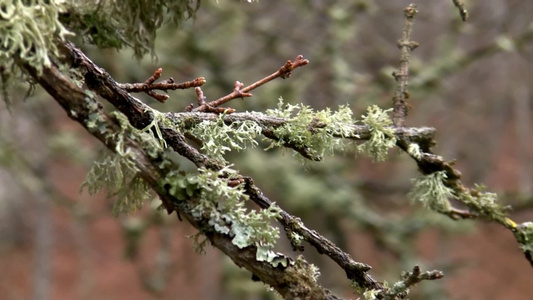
pixel 219 137
pixel 381 134
pixel 131 23
pixel 117 172
pixel 414 150
pixel 28 30
pixel 319 132
pixel 223 206
pixel 524 236
pixel 484 203
pixel 431 191
pixel 119 176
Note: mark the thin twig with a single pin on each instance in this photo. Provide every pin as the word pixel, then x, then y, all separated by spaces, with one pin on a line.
pixel 402 74
pixel 240 92
pixel 462 10
pixel 168 84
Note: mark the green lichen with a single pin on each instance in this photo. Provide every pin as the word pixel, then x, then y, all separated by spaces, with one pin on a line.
pixel 28 30
pixel 414 150
pixel 119 176
pixel 524 236
pixel 219 137
pixel 318 131
pixel 125 23
pixel 484 203
pixel 381 134
pixel 431 191
pixel 117 171
pixel 223 205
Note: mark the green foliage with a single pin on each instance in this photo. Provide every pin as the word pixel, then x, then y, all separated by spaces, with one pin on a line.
pixel 132 23
pixel 223 206
pixel 381 134
pixel 218 137
pixel 431 192
pixel 316 131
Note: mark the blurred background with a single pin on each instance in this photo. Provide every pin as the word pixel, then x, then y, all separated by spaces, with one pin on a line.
pixel 472 81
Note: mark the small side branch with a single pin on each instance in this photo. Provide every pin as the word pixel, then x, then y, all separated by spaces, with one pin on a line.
pixel 402 74
pixel 239 91
pixel 462 10
pixel 149 86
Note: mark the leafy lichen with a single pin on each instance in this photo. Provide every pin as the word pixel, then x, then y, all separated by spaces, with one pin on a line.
pixel 381 134
pixel 219 137
pixel 316 131
pixel 223 205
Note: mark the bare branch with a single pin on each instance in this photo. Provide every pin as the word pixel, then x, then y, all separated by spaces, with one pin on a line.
pixel 462 10
pixel 402 74
pixel 240 92
pixel 168 84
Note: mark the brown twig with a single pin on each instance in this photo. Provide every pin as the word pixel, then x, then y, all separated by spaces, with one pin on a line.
pixel 168 84
pixel 402 74
pixel 240 92
pixel 462 10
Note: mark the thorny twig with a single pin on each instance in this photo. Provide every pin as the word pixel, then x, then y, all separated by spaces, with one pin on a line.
pixel 402 74
pixel 168 84
pixel 239 91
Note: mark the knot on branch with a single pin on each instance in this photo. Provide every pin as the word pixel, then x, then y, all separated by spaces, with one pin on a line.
pixel 411 45
pixel 237 89
pixel 285 71
pixel 410 11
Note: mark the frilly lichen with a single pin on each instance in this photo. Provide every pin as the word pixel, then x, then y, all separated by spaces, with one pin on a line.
pixel 381 134
pixel 223 206
pixel 431 191
pixel 316 131
pixel 219 137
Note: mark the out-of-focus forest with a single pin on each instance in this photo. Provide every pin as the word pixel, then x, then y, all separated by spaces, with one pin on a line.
pixel 471 80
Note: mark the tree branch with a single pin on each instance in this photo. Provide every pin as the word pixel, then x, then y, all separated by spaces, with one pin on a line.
pixel 291 282
pixel 402 75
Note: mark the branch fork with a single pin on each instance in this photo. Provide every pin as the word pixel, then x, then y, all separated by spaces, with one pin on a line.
pixel 149 86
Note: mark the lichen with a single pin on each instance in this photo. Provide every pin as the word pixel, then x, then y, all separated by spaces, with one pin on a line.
pixel 219 137
pixel 223 206
pixel 381 134
pixel 431 191
pixel 524 236
pixel 126 23
pixel 318 131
